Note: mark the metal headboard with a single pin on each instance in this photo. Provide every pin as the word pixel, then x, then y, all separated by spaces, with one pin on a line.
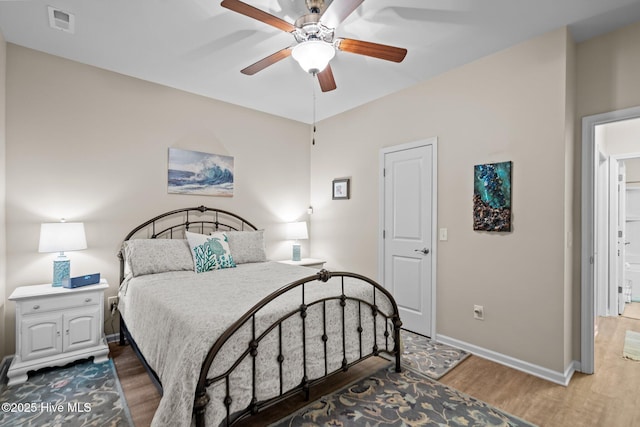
pixel 173 224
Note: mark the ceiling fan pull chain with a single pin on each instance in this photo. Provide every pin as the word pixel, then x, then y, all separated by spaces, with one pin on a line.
pixel 313 129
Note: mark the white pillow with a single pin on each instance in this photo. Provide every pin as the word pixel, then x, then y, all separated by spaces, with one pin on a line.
pixel 210 252
pixel 247 246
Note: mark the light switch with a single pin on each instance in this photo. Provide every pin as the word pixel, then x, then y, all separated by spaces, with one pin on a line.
pixel 443 234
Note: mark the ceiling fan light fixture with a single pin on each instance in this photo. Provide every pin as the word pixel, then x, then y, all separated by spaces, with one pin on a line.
pixel 313 55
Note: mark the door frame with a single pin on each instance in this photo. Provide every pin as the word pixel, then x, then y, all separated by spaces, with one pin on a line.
pixel 433 142
pixel 587 250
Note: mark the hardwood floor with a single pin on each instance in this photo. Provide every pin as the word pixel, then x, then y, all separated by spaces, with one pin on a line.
pixel 608 398
pixel 142 396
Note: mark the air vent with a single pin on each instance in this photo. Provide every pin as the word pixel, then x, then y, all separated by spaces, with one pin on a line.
pixel 61 20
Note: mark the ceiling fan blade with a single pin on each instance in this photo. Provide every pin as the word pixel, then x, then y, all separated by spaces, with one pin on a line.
pixel 255 13
pixel 265 62
pixel 326 80
pixel 338 11
pixel 376 50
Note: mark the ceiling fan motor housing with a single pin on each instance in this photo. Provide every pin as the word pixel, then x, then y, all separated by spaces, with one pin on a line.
pixel 308 27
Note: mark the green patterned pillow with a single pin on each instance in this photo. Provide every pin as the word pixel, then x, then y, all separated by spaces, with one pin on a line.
pixel 210 252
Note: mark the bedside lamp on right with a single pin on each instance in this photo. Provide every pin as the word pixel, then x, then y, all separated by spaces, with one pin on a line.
pixel 297 231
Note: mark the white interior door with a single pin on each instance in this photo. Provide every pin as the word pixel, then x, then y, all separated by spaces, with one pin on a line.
pixel 407 234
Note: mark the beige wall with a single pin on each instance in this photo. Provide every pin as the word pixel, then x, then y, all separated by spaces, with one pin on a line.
pixel 91 145
pixel 3 255
pixel 621 137
pixel 608 69
pixel 632 169
pixel 512 105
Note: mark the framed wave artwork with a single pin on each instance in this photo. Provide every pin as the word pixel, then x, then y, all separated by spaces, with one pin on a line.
pixel 194 172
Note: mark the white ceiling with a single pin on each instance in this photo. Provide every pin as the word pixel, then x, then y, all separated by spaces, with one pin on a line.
pixel 200 47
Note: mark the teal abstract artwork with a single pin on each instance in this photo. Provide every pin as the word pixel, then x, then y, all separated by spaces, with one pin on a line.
pixel 492 197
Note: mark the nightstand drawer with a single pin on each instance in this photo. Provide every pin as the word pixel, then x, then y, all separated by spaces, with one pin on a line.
pixel 40 305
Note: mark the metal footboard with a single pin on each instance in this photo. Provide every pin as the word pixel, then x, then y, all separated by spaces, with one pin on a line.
pixel 392 324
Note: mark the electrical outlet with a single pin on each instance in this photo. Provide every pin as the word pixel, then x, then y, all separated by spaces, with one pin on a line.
pixel 478 312
pixel 113 304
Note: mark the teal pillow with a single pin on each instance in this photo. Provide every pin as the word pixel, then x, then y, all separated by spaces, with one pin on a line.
pixel 210 252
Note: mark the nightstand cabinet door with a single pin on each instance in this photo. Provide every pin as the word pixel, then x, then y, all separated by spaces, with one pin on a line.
pixel 81 328
pixel 42 336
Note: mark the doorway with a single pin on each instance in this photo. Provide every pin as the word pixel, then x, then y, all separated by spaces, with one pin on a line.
pixel 407 249
pixel 598 254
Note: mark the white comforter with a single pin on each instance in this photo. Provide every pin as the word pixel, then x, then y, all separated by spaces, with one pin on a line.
pixel 175 318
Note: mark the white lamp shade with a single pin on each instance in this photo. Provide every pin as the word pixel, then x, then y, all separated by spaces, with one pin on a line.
pixel 62 236
pixel 313 55
pixel 297 230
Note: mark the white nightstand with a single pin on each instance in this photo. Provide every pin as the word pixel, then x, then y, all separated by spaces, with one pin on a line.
pixel 306 262
pixel 55 326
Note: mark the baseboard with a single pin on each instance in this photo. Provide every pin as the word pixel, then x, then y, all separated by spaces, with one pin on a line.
pixel 556 377
pixel 113 337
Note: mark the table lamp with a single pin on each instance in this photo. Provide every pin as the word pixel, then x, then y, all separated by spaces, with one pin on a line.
pixel 61 237
pixel 297 231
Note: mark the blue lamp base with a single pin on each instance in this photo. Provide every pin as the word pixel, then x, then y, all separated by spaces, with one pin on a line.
pixel 61 268
pixel 296 252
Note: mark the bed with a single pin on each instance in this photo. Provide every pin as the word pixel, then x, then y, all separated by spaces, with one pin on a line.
pixel 224 343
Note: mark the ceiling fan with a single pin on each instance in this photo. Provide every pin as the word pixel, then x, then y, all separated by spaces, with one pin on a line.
pixel 314 34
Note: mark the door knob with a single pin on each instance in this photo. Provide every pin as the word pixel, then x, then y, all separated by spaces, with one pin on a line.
pixel 424 251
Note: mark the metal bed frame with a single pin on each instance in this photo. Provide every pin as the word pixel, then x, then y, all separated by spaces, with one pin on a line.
pixel 216 219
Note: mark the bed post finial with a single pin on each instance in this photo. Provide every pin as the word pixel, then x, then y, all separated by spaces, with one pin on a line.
pixel 324 275
pixel 202 208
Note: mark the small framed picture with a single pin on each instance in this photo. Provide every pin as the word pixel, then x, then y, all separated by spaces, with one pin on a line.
pixel 340 189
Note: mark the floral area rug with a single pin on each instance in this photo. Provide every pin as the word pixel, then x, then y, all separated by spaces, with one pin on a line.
pixel 429 357
pixel 409 398
pixel 77 395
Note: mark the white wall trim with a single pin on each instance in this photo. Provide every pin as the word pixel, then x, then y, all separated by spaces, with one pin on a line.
pixel 587 251
pixel 433 142
pixel 556 377
pixel 625 156
pixel 113 337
